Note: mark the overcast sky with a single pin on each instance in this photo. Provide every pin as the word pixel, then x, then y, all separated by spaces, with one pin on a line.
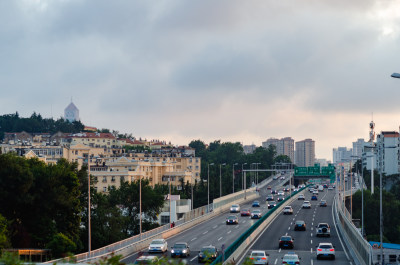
pixel 211 70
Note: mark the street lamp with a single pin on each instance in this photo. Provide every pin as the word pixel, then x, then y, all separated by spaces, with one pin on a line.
pixel 220 182
pixel 243 176
pixel 395 75
pixel 208 187
pixel 233 177
pixel 89 221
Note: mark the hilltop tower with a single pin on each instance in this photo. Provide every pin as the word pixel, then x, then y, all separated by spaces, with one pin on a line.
pixel 71 113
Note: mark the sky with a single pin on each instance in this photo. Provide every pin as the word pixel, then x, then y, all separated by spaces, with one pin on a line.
pixel 229 70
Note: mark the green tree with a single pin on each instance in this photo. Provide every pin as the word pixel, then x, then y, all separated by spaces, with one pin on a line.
pixel 4 233
pixel 61 245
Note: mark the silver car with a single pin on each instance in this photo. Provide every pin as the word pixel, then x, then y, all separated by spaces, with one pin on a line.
pixel 235 208
pixel 325 250
pixel 259 257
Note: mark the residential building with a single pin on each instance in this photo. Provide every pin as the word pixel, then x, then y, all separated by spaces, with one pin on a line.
pixel 358 148
pixel 387 144
pixel 71 113
pixel 178 208
pixel 284 146
pixel 305 153
pixel 249 149
pixel 342 154
pixel 369 157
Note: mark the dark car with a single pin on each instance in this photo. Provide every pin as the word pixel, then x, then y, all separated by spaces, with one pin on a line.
pixel 323 203
pixel 232 220
pixel 300 226
pixel 245 212
pixel 280 198
pixel 286 242
pixel 314 198
pixel 256 204
pixel 270 197
pixel 180 249
pixel 274 192
pixel 207 254
pixel 271 204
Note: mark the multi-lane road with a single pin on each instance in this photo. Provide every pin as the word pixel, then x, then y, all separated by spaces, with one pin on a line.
pixel 215 232
pixel 305 242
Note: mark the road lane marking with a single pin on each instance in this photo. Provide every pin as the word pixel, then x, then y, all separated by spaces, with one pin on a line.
pixel 311 241
pixel 291 223
pixel 194 239
pixel 312 262
pixel 279 250
pixel 193 258
pixel 219 238
pixel 289 228
pixel 215 226
pixel 312 228
pixel 311 234
pixel 276 260
pixel 311 252
pixel 229 231
pixel 205 232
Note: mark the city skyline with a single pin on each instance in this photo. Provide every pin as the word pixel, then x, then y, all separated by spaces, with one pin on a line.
pixel 211 70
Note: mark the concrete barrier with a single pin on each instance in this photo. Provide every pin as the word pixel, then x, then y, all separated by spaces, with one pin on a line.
pixel 243 247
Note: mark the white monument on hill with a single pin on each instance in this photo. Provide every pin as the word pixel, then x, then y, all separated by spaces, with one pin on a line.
pixel 71 113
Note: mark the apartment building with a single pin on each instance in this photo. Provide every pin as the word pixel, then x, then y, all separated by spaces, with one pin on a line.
pixel 387 145
pixel 358 147
pixel 305 153
pixel 342 154
pixel 284 146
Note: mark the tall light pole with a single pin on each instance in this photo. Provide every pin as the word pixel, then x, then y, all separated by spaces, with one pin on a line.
pixel 233 177
pixel 208 187
pixel 140 205
pixel 243 176
pixel 89 206
pixel 220 182
pixel 380 206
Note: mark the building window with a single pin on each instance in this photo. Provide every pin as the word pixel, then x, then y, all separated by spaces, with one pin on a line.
pixel 113 179
pixel 104 179
pixel 164 219
pixel 104 189
pixel 197 174
pixel 123 178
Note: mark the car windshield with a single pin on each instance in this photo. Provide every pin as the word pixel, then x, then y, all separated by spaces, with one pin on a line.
pixel 157 242
pixel 232 217
pixel 235 205
pixel 290 257
pixel 257 254
pixel 286 238
pixel 322 225
pixel 288 207
pixel 179 246
pixel 256 211
pixel 299 222
pixel 272 202
pixel 208 250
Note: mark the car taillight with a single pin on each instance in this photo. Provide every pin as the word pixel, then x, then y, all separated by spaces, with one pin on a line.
pixel 251 258
pixel 280 241
pixel 284 262
pixel 297 262
pixel 319 249
pixel 263 258
pixel 332 249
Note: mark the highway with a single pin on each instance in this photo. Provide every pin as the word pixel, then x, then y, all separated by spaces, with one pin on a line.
pixel 305 242
pixel 215 231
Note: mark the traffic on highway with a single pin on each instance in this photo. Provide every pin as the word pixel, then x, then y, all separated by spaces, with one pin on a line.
pixel 282 242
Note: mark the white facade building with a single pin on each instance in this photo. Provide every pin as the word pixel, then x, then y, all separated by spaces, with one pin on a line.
pixel 284 146
pixel 358 148
pixel 305 153
pixel 388 152
pixel 369 160
pixel 342 154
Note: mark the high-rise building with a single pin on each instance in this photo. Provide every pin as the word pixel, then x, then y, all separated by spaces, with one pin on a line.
pixel 284 146
pixel 305 153
pixel 342 154
pixel 358 148
pixel 71 113
pixel 249 149
pixel 387 144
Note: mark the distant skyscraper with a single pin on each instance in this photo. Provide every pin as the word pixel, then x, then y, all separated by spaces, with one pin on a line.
pixel 358 148
pixel 342 154
pixel 249 149
pixel 305 153
pixel 71 113
pixel 284 146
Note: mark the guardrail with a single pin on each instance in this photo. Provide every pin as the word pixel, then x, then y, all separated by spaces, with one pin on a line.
pixel 244 239
pixel 360 247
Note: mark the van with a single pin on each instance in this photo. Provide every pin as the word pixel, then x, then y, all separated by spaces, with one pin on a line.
pixel 320 188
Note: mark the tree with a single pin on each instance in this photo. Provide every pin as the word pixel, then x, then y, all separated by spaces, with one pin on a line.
pixel 4 233
pixel 61 245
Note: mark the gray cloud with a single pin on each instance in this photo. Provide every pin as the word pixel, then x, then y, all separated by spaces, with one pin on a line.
pixel 230 70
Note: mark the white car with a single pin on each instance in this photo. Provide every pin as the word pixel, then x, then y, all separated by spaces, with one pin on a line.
pixel 259 257
pixel 301 197
pixel 325 250
pixel 291 258
pixel 283 177
pixel 288 210
pixel 306 205
pixel 158 245
pixel 235 208
pixel 145 260
pixel 281 193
